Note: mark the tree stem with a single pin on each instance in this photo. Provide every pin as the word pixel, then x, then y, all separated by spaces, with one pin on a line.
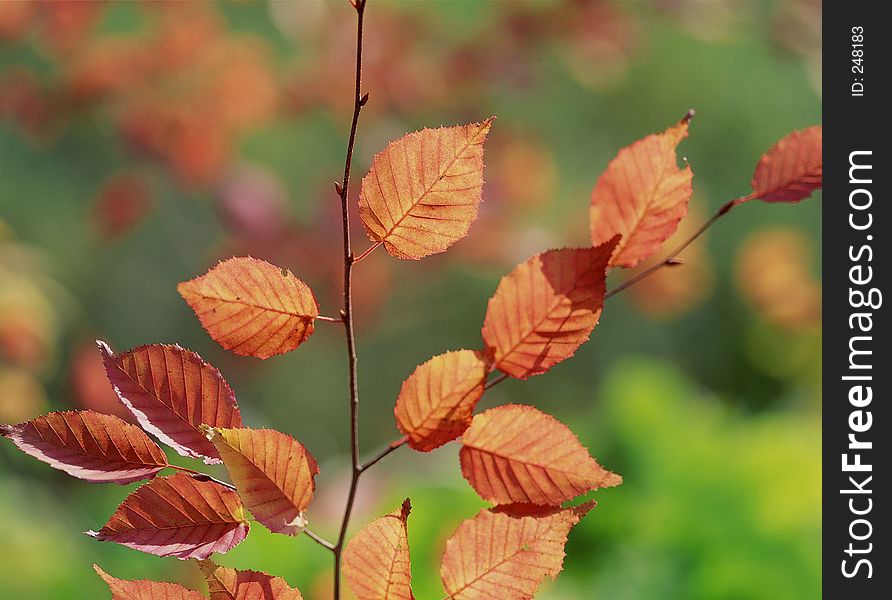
pixel 390 448
pixel 347 311
pixel 672 257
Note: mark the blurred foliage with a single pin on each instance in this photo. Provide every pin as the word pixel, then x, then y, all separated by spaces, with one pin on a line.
pixel 141 142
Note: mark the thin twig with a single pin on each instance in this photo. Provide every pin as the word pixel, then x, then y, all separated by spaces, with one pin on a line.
pixel 199 476
pixel 672 258
pixel 319 539
pixel 495 381
pixel 393 446
pixel 347 312
pixel 329 319
pixel 367 252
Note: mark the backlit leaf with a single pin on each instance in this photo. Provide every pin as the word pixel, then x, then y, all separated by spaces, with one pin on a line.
pixel 546 308
pixel 229 584
pixel 436 402
pixel 642 196
pixel 144 589
pixel 791 169
pixel 376 560
pixel 178 516
pixel 252 307
pixel 498 556
pixel 422 192
pixel 171 392
pixel 518 454
pixel 88 445
pixel 273 472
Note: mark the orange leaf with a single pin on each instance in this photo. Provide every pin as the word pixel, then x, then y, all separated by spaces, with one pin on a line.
pixel 376 560
pixel 144 589
pixel 518 454
pixel 546 308
pixel 88 445
pixel 791 169
pixel 229 584
pixel 436 402
pixel 642 196
pixel 495 555
pixel 273 472
pixel 422 192
pixel 252 307
pixel 171 392
pixel 177 516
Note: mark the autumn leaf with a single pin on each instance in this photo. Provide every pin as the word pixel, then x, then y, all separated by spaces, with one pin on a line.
pixel 422 192
pixel 144 589
pixel 791 169
pixel 171 392
pixel 88 445
pixel 376 560
pixel 178 516
pixel 229 584
pixel 642 196
pixel 436 402
pixel 546 308
pixel 496 555
pixel 516 453
pixel 273 472
pixel 252 307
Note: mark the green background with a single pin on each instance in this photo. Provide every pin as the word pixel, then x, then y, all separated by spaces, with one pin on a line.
pixel 712 416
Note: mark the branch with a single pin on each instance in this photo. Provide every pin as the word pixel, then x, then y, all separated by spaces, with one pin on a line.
pixel 495 381
pixel 672 259
pixel 319 539
pixel 393 446
pixel 367 252
pixel 347 312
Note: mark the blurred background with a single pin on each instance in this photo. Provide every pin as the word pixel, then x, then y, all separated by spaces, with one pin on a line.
pixel 141 142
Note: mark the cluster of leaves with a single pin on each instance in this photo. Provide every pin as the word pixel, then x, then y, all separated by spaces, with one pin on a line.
pixel 420 195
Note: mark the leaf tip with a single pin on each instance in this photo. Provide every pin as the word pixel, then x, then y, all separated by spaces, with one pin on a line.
pixel 183 288
pixel 405 509
pixel 611 479
pixel 104 348
pixel 688 116
pixel 6 431
pixel 585 508
pixel 105 576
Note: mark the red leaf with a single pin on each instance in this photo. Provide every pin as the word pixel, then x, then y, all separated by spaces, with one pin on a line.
pixel 273 472
pixel 88 445
pixel 178 516
pixel 436 402
pixel 497 556
pixel 642 196
pixel 422 192
pixel 518 454
pixel 376 560
pixel 229 584
pixel 546 308
pixel 251 307
pixel 791 169
pixel 172 392
pixel 144 589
